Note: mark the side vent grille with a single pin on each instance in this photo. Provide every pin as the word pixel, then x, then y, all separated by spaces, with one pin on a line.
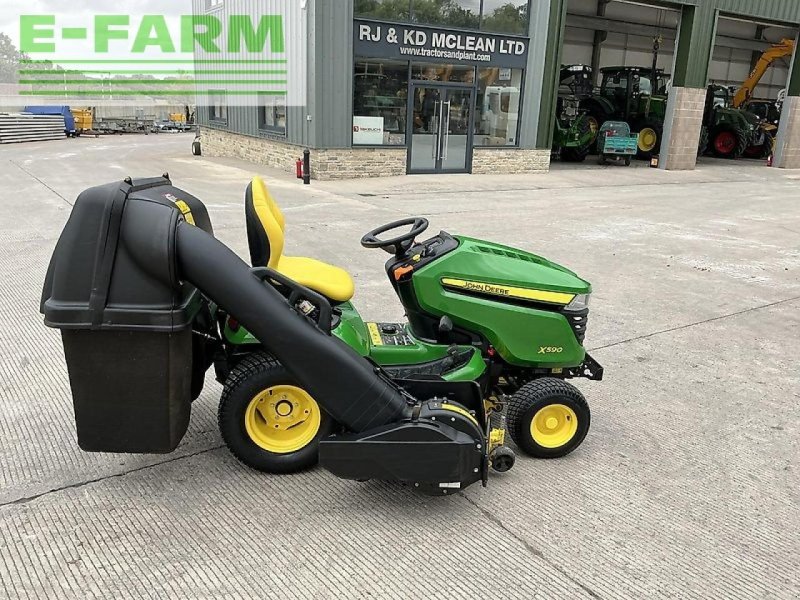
pixel 507 253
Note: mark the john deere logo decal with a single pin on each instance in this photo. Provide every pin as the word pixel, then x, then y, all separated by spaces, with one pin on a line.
pixel 494 289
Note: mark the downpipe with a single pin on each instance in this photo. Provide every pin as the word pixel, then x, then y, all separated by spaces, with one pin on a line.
pixel 347 386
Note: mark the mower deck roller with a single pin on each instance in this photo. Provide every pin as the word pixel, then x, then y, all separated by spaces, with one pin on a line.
pixel 130 284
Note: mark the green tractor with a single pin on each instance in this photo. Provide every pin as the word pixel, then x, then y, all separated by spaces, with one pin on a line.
pixel 733 132
pixel 574 133
pixel 633 95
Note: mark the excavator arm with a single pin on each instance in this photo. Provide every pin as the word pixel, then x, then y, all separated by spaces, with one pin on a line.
pixel 777 51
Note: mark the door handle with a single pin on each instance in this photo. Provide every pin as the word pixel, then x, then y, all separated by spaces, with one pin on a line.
pixel 437 128
pixel 446 123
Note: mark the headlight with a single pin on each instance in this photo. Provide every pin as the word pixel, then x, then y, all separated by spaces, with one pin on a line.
pixel 579 302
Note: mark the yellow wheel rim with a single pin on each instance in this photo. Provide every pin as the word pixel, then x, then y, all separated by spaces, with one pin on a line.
pixel 282 419
pixel 647 139
pixel 554 426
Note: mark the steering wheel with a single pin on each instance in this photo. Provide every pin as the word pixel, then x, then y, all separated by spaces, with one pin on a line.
pixel 397 245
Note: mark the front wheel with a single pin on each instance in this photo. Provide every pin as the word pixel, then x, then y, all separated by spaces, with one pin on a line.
pixel 649 143
pixel 728 142
pixel 268 421
pixel 548 418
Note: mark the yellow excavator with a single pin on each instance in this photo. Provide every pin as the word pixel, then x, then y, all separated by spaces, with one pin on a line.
pixel 775 52
pixel 764 145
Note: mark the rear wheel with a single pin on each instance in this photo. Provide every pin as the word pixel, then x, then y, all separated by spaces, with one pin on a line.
pixel 548 418
pixel 579 153
pixel 728 142
pixel 268 421
pixel 762 150
pixel 650 133
pixel 702 145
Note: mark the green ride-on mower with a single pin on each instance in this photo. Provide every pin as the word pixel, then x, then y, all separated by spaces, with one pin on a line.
pixel 147 300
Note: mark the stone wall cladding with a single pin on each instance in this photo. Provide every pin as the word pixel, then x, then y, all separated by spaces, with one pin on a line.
pixel 355 163
pixel 687 120
pixel 509 161
pixel 789 155
pixel 334 163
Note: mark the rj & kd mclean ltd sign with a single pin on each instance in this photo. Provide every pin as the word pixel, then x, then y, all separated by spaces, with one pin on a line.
pixel 411 42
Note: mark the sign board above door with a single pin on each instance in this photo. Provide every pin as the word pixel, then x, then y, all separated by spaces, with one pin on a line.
pixel 413 42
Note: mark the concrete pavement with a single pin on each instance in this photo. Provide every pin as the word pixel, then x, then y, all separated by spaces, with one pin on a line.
pixel 686 487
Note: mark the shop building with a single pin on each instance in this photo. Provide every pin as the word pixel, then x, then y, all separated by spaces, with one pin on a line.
pixel 399 87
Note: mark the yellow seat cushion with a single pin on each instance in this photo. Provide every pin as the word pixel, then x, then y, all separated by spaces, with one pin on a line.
pixel 266 244
pixel 330 281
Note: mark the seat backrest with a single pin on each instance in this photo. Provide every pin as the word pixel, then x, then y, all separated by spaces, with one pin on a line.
pixel 264 228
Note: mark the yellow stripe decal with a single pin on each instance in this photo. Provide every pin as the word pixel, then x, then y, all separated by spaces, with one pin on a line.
pixel 374 334
pixel 187 212
pixel 509 292
pixel 460 411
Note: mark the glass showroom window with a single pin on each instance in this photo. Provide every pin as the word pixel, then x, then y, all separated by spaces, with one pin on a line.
pixel 272 113
pixel 497 107
pixel 443 73
pixel 380 102
pixel 465 14
pixel 389 10
pixel 218 106
pixel 505 16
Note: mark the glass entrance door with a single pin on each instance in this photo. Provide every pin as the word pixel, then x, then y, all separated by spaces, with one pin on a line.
pixel 440 126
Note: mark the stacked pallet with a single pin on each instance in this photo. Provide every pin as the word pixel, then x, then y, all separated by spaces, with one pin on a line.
pixel 16 127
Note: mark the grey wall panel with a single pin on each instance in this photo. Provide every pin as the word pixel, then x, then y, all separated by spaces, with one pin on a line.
pixel 331 73
pixel 243 115
pixel 532 96
pixel 787 11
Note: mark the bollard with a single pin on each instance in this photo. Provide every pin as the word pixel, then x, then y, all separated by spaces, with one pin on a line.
pixel 307 166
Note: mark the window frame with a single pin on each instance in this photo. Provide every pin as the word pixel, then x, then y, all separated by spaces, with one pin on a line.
pixel 404 145
pixel 521 107
pixel 212 105
pixel 263 127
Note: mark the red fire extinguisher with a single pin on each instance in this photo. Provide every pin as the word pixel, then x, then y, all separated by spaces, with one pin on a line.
pixel 299 168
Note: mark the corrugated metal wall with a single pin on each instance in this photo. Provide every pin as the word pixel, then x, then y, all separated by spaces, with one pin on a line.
pixel 243 112
pixel 787 11
pixel 330 74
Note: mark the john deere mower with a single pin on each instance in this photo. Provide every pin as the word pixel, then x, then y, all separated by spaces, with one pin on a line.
pixel 147 300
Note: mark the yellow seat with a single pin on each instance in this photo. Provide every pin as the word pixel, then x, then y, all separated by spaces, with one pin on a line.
pixel 265 235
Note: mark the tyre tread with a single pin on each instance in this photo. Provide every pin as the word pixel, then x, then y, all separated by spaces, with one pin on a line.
pixel 534 392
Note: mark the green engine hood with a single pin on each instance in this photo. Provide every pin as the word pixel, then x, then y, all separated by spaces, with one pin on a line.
pixel 490 263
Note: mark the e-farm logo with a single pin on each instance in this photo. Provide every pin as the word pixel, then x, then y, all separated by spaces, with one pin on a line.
pixel 117 54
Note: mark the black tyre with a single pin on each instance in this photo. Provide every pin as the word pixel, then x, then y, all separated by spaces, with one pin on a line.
pixel 728 142
pixel 627 161
pixel 196 149
pixel 548 418
pixel 762 150
pixel 650 134
pixel 268 421
pixel 579 154
pixel 702 145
